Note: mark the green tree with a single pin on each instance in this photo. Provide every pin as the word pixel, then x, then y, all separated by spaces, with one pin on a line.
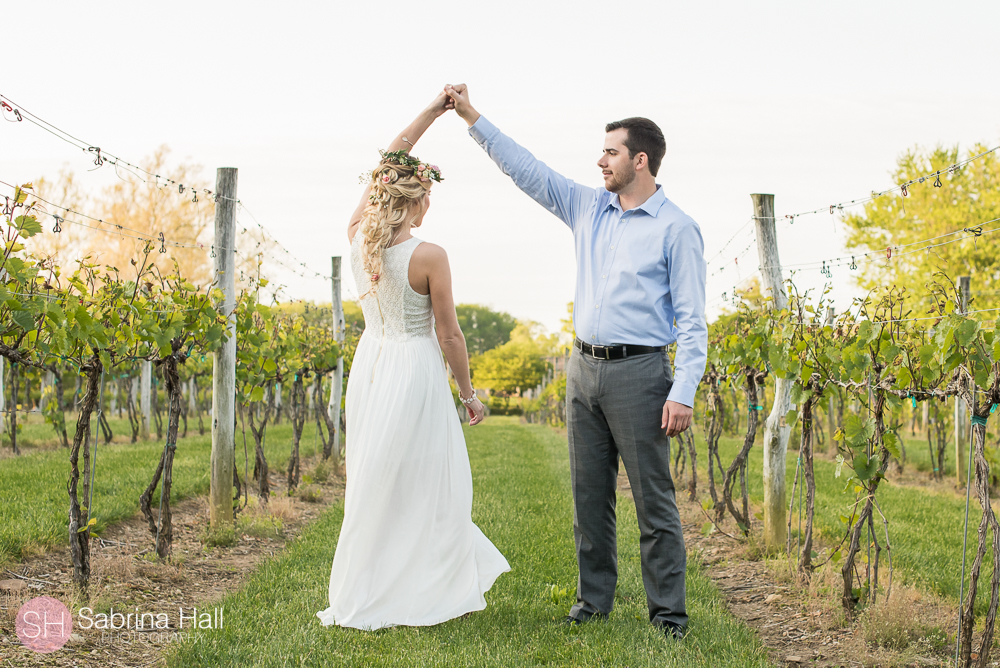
pixel 484 328
pixel 507 369
pixel 534 333
pixel 966 197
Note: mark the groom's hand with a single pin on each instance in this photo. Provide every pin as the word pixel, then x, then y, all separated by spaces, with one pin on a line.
pixel 676 417
pixel 459 94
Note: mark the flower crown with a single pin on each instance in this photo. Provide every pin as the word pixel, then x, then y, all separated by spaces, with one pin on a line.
pixel 423 171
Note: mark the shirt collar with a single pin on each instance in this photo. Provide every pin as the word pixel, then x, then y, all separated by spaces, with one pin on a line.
pixel 651 206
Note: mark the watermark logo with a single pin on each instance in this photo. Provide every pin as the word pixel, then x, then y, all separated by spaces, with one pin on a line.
pixel 44 624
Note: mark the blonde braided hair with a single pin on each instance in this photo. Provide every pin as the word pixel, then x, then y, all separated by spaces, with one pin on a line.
pixel 395 200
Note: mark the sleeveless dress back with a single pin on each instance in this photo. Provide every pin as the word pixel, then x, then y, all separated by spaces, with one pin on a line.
pixel 409 553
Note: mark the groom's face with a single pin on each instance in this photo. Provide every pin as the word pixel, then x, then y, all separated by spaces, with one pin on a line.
pixel 616 166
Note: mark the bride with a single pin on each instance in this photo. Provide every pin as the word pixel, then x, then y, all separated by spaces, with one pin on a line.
pixel 408 552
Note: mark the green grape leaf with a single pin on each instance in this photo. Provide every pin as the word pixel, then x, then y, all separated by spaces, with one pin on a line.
pixel 24 320
pixel 966 332
pixel 891 443
pixel 27 226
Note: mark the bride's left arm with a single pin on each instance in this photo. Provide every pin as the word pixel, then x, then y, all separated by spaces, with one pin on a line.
pixel 404 140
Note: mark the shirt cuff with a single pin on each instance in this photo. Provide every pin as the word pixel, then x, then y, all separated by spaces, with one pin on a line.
pixel 682 393
pixel 482 130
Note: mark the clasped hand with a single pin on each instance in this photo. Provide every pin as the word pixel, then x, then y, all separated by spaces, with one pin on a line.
pixel 453 97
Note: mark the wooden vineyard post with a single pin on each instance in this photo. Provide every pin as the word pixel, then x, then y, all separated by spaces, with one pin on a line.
pixel 224 362
pixel 337 385
pixel 961 412
pixel 776 432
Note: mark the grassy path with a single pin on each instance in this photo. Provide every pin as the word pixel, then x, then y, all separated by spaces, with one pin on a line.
pixel 523 503
pixel 34 500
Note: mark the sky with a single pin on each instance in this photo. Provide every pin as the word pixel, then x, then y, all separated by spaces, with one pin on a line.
pixel 810 102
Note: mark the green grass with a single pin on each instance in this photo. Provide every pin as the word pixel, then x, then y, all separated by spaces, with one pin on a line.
pixel 523 503
pixel 33 498
pixel 925 526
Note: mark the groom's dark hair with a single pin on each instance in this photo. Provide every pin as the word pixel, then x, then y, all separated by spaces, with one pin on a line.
pixel 644 136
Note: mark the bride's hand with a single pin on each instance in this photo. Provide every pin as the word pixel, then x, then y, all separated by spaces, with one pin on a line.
pixel 476 412
pixel 441 104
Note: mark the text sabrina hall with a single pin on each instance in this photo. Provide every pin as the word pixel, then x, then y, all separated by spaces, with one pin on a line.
pixel 189 617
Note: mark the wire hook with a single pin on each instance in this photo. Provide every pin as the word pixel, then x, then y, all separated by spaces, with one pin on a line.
pixel 163 247
pixel 99 160
pixel 976 233
pixel 58 225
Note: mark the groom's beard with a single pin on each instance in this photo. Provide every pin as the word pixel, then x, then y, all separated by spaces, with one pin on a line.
pixel 621 179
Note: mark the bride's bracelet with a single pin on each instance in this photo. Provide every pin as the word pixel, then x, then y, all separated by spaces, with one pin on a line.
pixel 468 401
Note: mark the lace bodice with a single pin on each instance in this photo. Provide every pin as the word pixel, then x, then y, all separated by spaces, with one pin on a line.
pixel 404 312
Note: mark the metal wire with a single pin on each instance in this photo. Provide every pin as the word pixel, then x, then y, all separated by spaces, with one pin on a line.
pixel 900 187
pixel 102 155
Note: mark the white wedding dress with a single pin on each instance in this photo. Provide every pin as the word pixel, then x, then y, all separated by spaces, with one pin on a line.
pixel 409 553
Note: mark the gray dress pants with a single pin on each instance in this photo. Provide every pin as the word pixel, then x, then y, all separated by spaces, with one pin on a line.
pixel 614 407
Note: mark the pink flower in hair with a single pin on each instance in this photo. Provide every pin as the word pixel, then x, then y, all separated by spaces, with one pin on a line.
pixel 385 179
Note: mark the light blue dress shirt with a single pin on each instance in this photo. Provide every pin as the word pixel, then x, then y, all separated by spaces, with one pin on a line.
pixel 637 271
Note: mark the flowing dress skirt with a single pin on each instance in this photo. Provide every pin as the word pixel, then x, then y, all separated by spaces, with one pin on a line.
pixel 409 553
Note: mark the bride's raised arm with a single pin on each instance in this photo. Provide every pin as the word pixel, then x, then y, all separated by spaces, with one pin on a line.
pixel 405 140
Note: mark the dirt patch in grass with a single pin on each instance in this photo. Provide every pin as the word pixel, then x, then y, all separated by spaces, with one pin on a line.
pixel 125 574
pixel 801 621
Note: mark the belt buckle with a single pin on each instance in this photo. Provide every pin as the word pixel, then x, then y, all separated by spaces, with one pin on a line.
pixel 593 352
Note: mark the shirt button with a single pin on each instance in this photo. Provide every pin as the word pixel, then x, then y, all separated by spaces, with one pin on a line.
pixel 612 248
pixel 593 336
pixel 597 306
pixel 604 275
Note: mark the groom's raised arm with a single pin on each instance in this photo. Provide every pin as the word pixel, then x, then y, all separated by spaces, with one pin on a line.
pixel 559 195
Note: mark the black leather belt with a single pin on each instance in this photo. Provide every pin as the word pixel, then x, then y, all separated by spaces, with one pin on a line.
pixel 615 352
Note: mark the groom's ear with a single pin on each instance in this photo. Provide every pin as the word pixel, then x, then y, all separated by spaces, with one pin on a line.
pixel 642 161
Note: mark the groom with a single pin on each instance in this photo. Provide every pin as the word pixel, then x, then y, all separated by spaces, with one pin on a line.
pixel 640 267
